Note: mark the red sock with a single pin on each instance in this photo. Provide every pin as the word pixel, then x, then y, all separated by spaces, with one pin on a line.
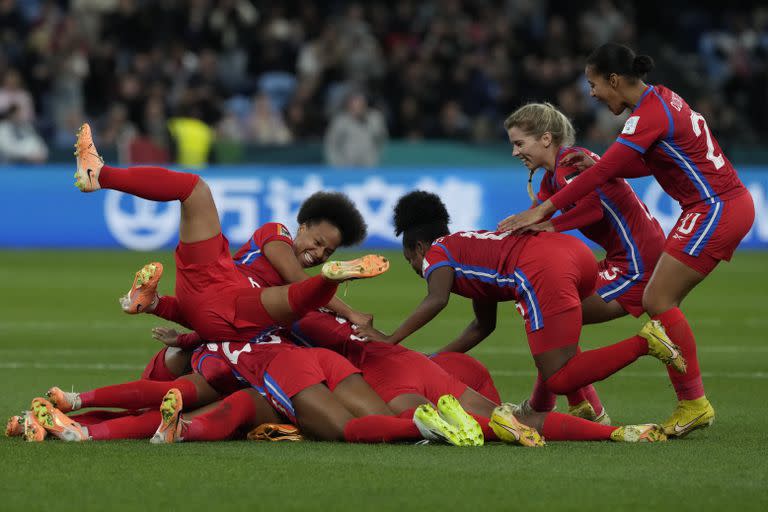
pixel 542 399
pixel 129 427
pixel 97 416
pixel 220 423
pixel 153 183
pixel 688 385
pixel 138 394
pixel 380 429
pixel 564 427
pixel 311 294
pixel 594 365
pixel 594 399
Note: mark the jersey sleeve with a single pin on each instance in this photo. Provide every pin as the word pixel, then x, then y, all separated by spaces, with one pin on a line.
pixel 585 211
pixel 644 127
pixel 613 164
pixel 270 232
pixel 189 341
pixel 435 258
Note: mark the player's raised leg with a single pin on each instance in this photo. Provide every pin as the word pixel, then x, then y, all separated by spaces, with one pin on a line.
pixel 199 218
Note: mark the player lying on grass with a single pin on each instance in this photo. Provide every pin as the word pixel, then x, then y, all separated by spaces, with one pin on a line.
pixel 613 217
pixel 666 138
pixel 548 274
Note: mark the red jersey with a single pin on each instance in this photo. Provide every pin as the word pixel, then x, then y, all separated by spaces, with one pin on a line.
pixel 676 146
pixel 250 259
pixel 614 218
pixel 483 263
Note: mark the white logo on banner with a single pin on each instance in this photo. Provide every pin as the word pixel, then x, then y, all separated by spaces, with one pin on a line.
pixel 145 225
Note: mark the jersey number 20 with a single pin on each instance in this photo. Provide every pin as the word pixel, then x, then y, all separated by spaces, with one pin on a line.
pixel 718 160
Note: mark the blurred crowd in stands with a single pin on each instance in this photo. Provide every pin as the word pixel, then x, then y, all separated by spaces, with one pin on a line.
pixel 161 80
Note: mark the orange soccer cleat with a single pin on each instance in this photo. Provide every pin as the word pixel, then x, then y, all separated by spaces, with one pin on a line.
pixel 63 400
pixel 143 293
pixel 169 430
pixel 34 432
pixel 56 422
pixel 15 426
pixel 89 162
pixel 368 266
pixel 275 432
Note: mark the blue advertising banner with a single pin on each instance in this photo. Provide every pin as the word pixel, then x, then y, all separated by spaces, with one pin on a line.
pixel 42 209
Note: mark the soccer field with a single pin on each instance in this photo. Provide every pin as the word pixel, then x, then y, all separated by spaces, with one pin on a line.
pixel 61 325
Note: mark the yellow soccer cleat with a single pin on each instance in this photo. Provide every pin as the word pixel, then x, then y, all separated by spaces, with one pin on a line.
pixel 63 400
pixel 169 430
pixel 89 163
pixel 56 422
pixel 689 415
pixel 368 266
pixel 449 408
pixel 509 429
pixel 647 433
pixel 15 426
pixel 661 347
pixel 143 293
pixel 434 428
pixel 585 411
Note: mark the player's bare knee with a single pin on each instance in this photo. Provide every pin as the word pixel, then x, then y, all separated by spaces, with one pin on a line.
pixel 655 303
pixel 177 361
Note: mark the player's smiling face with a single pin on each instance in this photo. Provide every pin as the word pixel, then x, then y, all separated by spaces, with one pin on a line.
pixel 531 150
pixel 316 242
pixel 605 90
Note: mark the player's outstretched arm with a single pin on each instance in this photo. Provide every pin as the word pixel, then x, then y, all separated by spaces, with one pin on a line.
pixel 439 285
pixel 480 328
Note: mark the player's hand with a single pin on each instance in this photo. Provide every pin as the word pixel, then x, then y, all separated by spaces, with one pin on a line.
pixel 360 319
pixel 578 160
pixel 169 337
pixel 369 333
pixel 521 221
pixel 543 226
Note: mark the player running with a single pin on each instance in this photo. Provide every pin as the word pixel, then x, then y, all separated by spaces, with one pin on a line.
pixel 612 216
pixel 665 138
pixel 548 274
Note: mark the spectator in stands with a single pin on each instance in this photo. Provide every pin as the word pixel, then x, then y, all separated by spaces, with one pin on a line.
pixel 356 135
pixel 19 142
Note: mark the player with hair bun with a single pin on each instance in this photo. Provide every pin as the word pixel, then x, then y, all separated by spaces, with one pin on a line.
pixel 665 138
pixel 547 273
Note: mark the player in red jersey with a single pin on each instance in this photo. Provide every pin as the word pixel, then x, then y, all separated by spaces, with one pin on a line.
pixel 216 300
pixel 548 274
pixel 665 138
pixel 613 217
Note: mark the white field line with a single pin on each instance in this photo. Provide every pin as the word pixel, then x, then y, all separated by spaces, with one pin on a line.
pixel 20 365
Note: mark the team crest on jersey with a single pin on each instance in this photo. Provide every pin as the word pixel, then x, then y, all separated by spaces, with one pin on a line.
pixel 283 231
pixel 630 126
pixel 676 102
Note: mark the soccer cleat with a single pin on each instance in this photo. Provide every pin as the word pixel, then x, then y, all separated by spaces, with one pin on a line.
pixel 56 422
pixel 89 163
pixel 15 426
pixel 169 430
pixel 646 433
pixel 449 408
pixel 661 347
pixel 370 265
pixel 34 432
pixel 63 400
pixel 689 415
pixel 585 411
pixel 434 428
pixel 143 292
pixel 275 432
pixel 509 429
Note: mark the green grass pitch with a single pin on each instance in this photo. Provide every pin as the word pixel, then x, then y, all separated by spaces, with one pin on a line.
pixel 60 324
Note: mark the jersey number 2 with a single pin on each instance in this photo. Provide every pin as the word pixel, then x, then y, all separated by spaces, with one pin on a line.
pixel 718 160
